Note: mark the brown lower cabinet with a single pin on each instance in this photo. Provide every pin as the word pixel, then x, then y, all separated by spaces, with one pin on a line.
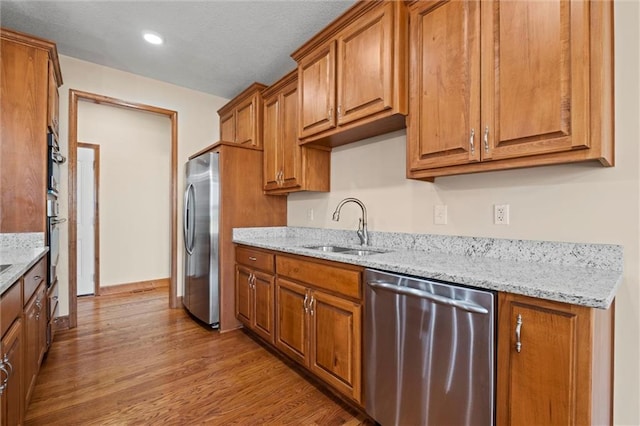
pixel 318 314
pixel 11 412
pixel 554 363
pixel 35 332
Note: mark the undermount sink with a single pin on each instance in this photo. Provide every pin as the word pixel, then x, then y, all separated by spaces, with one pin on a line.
pixel 332 249
pixel 346 250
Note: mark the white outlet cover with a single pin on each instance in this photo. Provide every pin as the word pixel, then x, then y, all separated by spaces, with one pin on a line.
pixel 440 215
pixel 501 214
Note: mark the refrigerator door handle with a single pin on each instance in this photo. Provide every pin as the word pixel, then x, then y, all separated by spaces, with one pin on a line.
pixel 188 230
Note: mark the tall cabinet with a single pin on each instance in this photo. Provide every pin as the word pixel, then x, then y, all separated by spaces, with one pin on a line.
pixel 29 80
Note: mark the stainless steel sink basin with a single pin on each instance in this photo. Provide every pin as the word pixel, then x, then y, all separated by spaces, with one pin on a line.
pixel 331 249
pixel 346 250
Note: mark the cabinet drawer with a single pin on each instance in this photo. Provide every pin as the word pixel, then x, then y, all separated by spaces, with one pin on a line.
pixel 332 278
pixel 253 258
pixel 33 278
pixel 10 306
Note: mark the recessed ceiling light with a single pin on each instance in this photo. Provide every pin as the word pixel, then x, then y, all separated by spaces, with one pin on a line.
pixel 153 38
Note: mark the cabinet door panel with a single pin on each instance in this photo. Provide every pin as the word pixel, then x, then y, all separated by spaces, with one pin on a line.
pixel 263 306
pixel 335 336
pixel 365 71
pixel 535 76
pixel 541 384
pixel 245 124
pixel 243 295
pixel 291 331
pixel 445 86
pixel 11 404
pixel 317 92
pixel 291 151
pixel 227 128
pixel 272 136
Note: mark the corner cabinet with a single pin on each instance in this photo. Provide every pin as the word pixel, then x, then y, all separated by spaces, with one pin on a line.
pixel 241 118
pixel 319 320
pixel 289 167
pixel 29 80
pixel 255 291
pixel 503 84
pixel 554 363
pixel 353 76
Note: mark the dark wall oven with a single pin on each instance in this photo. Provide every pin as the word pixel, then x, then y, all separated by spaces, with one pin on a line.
pixel 55 160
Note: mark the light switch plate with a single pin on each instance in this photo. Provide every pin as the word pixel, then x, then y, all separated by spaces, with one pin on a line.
pixel 440 214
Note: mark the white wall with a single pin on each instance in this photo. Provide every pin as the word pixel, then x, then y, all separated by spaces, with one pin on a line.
pixel 198 127
pixel 135 189
pixel 577 203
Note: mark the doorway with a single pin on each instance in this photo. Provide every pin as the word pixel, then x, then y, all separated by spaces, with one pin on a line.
pixel 75 96
pixel 88 220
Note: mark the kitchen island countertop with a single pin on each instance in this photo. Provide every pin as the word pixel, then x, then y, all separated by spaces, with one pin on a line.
pixel 577 273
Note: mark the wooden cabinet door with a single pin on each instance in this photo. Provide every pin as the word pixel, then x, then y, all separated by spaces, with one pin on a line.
pixel 243 295
pixel 263 304
pixel 228 127
pixel 246 123
pixel 317 91
pixel 291 160
pixel 444 125
pixel 12 399
pixel 272 140
pixel 31 348
pixel 336 335
pixel 547 380
pixel 535 77
pixel 365 66
pixel 53 101
pixel 291 322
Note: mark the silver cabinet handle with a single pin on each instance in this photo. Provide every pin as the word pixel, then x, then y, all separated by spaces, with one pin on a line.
pixel 407 291
pixel 486 139
pixel 518 329
pixel 253 259
pixel 304 302
pixel 253 280
pixel 330 113
pixel 311 305
pixel 471 143
pixel 5 381
pixel 37 278
pixel 339 110
pixel 6 363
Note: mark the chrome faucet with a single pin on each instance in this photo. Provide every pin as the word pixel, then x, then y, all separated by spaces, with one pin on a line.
pixel 362 225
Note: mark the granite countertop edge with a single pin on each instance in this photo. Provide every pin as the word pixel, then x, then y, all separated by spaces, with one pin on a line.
pixel 578 285
pixel 21 260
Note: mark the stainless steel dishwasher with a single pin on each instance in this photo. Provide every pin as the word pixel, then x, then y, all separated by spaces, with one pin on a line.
pixel 429 352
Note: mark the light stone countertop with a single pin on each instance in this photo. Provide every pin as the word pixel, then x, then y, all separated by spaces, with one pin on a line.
pixel 21 260
pixel 21 251
pixel 576 273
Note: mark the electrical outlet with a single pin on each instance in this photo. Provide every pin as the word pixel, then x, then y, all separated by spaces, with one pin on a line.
pixel 501 214
pixel 440 215
pixel 310 215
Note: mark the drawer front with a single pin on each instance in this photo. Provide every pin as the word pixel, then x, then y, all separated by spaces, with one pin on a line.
pixel 253 258
pixel 10 306
pixel 33 278
pixel 328 277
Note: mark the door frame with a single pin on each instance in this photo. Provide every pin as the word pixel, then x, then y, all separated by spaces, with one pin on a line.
pixel 76 96
pixel 96 213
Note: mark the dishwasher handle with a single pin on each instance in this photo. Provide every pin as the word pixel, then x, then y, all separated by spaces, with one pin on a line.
pixel 407 291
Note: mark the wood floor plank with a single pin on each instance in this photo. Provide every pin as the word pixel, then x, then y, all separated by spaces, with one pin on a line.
pixel 132 360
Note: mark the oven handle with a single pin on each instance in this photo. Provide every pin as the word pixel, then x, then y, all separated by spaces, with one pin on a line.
pixel 57 221
pixel 407 291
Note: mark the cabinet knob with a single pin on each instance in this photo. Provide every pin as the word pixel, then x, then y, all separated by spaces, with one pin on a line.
pixel 518 330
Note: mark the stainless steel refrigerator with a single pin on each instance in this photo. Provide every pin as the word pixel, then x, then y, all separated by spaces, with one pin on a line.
pixel 201 228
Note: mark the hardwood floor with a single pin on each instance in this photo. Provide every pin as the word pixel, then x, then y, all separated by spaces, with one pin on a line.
pixel 132 360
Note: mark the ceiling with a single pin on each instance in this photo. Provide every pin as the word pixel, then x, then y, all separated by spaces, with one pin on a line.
pixel 217 47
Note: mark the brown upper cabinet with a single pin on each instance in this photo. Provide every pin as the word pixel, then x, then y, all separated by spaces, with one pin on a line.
pixel 241 118
pixel 353 76
pixel 504 84
pixel 29 80
pixel 289 167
